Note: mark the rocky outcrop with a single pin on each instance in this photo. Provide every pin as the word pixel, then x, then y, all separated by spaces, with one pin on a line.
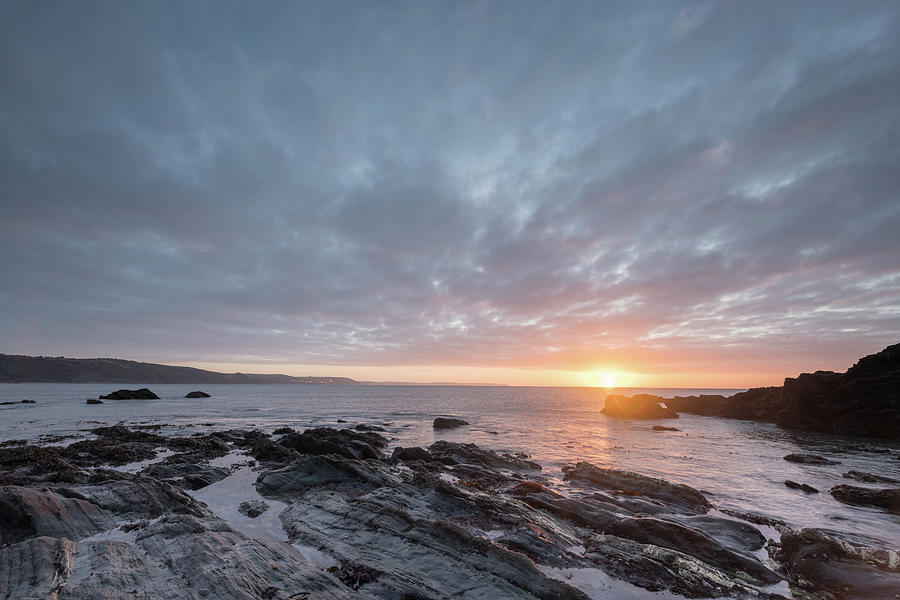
pixel 19 402
pixel 886 498
pixel 639 406
pixel 448 423
pixel 863 401
pixel 343 442
pixel 197 394
pixel 141 394
pixel 93 401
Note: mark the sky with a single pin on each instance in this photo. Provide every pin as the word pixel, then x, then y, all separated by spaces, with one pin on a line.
pixel 541 193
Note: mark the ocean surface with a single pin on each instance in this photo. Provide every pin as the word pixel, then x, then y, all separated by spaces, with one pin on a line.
pixel 738 464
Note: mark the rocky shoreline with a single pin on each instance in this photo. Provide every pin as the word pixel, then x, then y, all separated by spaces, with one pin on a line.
pixel 118 516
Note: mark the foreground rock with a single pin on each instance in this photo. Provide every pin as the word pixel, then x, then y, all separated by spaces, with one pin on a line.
pixel 863 401
pixel 886 498
pixel 197 394
pixel 869 477
pixel 452 520
pixel 448 423
pixel 837 566
pixel 141 394
pixel 640 406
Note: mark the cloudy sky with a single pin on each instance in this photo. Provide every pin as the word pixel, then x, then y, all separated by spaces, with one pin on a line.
pixel 520 192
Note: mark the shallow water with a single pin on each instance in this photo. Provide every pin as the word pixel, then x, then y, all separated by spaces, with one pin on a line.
pixel 738 464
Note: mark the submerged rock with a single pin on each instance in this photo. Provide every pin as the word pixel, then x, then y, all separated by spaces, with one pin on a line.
pixel 810 459
pixel 252 508
pixel 141 394
pixel 639 406
pixel 801 486
pixel 886 498
pixel 93 401
pixel 19 402
pixel 197 394
pixel 869 477
pixel 448 423
pixel 662 428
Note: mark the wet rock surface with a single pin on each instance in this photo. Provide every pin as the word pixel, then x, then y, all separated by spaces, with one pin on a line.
pixel 810 459
pixel 452 520
pixel 197 394
pixel 886 498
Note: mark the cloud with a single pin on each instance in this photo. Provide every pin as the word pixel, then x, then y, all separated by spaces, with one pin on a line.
pixel 476 184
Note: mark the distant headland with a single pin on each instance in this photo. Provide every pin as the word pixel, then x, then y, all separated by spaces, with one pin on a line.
pixel 59 369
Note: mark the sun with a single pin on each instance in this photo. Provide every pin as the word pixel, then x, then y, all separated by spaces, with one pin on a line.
pixel 604 379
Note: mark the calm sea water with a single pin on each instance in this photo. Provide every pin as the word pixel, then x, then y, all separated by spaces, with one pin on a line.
pixel 738 464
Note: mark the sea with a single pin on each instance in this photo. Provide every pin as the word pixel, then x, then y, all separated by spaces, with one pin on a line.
pixel 739 465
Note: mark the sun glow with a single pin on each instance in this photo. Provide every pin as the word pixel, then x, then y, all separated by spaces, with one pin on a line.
pixel 604 379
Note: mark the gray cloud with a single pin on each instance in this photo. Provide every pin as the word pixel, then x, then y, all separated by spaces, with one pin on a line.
pixel 503 184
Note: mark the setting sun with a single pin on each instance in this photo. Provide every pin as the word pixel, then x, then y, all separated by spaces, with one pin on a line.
pixel 605 379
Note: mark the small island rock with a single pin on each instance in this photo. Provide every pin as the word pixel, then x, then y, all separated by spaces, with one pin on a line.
pixel 94 401
pixel 141 394
pixel 197 394
pixel 448 423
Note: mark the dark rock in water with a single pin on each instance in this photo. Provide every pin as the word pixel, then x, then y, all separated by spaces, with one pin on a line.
pixel 284 431
pixel 408 454
pixel 886 498
pixel 28 402
pixel 93 401
pixel 863 401
pixel 19 402
pixel 810 459
pixel 448 423
pixel 365 427
pixel 834 565
pixel 354 574
pixel 253 508
pixel 454 453
pixel 677 494
pixel 197 394
pixel 141 394
pixel 343 442
pixel 869 477
pixel 639 406
pixel 801 486
pixel 341 421
pixel 662 428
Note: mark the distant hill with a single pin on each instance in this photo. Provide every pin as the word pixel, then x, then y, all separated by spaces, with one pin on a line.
pixel 58 369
